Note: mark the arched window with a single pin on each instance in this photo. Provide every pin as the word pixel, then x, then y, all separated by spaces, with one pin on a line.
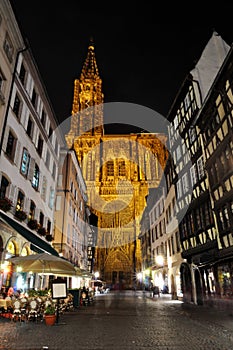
pixel 121 168
pixel 110 168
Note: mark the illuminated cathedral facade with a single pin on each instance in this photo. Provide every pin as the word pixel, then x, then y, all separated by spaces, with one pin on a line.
pixel 118 169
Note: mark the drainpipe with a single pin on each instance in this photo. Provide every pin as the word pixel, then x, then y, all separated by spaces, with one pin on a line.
pixel 10 95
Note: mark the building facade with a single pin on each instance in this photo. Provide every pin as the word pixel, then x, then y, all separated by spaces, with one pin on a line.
pixel 11 44
pixel 71 218
pixel 197 228
pixel 29 158
pixel 216 121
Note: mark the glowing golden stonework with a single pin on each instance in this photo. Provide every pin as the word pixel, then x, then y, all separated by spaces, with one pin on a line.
pixel 118 170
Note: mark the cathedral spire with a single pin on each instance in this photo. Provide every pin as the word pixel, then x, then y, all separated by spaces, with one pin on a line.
pixel 90 69
pixel 87 107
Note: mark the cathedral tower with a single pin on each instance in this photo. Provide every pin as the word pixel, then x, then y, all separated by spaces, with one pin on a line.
pixel 118 170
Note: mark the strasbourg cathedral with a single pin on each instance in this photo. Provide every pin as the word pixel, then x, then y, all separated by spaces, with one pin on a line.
pixel 118 170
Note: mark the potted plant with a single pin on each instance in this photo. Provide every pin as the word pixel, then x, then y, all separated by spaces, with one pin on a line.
pixel 5 204
pixel 49 237
pixel 50 315
pixel 20 214
pixel 41 231
pixel 33 224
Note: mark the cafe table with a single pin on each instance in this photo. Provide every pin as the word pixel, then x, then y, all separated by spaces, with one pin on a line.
pixel 5 303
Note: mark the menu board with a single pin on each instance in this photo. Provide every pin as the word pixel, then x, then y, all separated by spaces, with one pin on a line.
pixel 59 290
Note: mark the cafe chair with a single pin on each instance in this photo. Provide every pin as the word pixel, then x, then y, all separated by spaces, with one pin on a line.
pixel 33 312
pixel 16 315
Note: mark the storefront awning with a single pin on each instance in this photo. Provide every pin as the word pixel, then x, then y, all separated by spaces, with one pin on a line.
pixel 37 244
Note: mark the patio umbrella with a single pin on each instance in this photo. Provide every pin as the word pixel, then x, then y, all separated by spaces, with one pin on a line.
pixel 44 263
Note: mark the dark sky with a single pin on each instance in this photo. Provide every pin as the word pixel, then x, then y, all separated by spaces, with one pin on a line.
pixel 143 54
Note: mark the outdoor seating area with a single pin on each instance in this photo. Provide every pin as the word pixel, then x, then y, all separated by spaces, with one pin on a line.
pixel 32 307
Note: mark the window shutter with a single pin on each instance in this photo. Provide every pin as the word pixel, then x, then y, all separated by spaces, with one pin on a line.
pixel 40 182
pixel 5 138
pixel 17 158
pixel 45 222
pixel 23 116
pixel 31 169
pixel 12 193
pixel 37 212
pixel 26 204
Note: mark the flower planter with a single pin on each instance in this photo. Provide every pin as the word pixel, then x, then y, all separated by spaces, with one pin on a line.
pixel 21 215
pixel 32 224
pixel 50 319
pixel 5 204
pixel 49 238
pixel 41 231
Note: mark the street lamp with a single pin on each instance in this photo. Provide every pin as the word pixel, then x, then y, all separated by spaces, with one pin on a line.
pixel 96 274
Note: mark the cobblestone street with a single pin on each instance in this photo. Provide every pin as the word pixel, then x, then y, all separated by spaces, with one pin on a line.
pixel 126 321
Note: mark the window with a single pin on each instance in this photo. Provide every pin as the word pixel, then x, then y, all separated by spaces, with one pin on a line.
pixel 47 162
pixel 34 98
pixel 193 175
pixel 22 74
pixel 35 179
pixel 20 201
pixel 200 167
pixel 40 146
pixel 49 226
pixel 8 48
pixel 50 131
pixel 172 246
pixel 178 152
pixel 32 210
pixel 16 106
pixel 25 162
pixel 10 147
pixel 110 168
pixel 41 219
pixel 4 186
pixel 29 129
pixel 179 189
pixel 192 134
pixel 2 80
pixel 43 118
pixel 175 122
pixel 185 183
pixel 121 168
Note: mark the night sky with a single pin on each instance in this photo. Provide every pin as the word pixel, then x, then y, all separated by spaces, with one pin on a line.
pixel 143 55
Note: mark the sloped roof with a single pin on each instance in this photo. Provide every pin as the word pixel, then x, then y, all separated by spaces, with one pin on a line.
pixel 210 62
